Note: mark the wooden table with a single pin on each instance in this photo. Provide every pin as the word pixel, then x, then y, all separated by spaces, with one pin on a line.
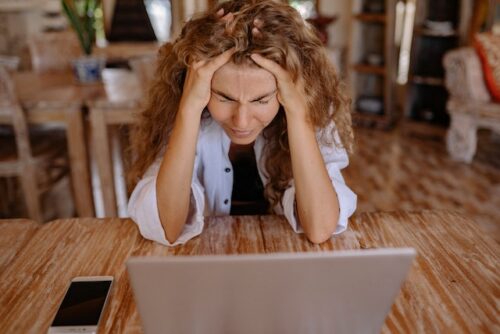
pixel 122 52
pixel 56 98
pixel 16 233
pixel 453 286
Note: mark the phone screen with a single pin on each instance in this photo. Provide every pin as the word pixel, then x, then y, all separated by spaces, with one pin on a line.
pixel 82 304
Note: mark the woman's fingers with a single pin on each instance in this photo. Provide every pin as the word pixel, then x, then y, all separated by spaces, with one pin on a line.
pixel 228 18
pixel 256 32
pixel 269 65
pixel 215 63
pixel 291 94
pixel 197 64
pixel 258 23
pixel 257 27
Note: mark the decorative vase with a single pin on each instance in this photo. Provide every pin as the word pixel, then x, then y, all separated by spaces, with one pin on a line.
pixel 88 69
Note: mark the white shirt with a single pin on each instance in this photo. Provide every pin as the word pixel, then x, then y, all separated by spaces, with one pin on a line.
pixel 212 185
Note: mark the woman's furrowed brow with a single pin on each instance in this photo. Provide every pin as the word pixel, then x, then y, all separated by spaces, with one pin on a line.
pixel 218 92
pixel 226 96
pixel 263 96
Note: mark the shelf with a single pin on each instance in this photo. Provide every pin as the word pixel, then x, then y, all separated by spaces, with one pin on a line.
pixel 439 26
pixel 426 80
pixel 368 17
pixel 369 69
pixel 372 120
pixel 423 31
pixel 371 62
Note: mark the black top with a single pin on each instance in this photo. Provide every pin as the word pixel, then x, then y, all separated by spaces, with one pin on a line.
pixel 248 191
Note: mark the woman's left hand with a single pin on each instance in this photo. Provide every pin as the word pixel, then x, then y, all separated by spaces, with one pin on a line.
pixel 291 95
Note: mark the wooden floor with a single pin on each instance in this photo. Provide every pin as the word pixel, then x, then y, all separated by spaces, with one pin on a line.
pixel 393 172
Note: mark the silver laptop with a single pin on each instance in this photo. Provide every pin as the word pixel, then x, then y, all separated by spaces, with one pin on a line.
pixel 325 292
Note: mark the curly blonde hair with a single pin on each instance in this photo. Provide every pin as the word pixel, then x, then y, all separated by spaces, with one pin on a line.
pixel 285 38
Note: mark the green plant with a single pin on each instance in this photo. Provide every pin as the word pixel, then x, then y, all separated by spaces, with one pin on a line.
pixel 82 16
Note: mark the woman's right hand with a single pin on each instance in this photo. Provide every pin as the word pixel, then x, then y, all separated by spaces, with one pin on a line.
pixel 197 85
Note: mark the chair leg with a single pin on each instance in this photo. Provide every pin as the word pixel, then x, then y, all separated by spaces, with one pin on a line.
pixel 461 139
pixel 31 194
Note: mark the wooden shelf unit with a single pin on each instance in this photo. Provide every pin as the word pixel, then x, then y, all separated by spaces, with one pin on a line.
pixel 372 62
pixel 370 69
pixel 426 95
pixel 369 17
pixel 427 80
pixel 432 33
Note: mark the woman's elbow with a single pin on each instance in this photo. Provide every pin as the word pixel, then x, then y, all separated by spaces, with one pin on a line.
pixel 322 231
pixel 171 239
pixel 173 222
pixel 173 233
pixel 319 237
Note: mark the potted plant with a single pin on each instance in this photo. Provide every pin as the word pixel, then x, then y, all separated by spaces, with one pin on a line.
pixel 82 17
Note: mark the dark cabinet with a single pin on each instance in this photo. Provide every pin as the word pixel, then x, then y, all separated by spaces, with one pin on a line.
pixel 439 26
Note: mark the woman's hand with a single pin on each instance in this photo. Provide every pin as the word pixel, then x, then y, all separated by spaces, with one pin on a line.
pixel 313 186
pixel 197 85
pixel 196 91
pixel 291 95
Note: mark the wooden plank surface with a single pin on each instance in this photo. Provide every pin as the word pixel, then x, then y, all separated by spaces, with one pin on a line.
pixel 453 286
pixel 14 235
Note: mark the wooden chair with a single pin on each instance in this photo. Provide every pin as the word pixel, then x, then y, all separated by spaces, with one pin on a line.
pixel 10 62
pixel 111 121
pixel 38 163
pixel 53 51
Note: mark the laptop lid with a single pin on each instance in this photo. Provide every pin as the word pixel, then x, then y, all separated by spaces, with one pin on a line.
pixel 324 292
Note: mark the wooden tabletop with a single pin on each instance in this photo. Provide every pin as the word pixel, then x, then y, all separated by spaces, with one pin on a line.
pixel 453 286
pixel 118 85
pixel 15 234
pixel 119 52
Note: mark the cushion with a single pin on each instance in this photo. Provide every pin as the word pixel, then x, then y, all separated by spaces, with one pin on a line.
pixel 487 46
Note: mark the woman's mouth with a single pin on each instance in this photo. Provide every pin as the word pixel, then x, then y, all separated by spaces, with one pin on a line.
pixel 241 133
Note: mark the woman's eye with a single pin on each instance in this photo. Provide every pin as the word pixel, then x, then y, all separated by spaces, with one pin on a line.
pixel 263 102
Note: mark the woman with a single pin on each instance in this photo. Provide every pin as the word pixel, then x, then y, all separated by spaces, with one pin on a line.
pixel 245 116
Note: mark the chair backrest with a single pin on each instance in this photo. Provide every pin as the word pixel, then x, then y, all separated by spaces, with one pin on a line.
pixel 464 77
pixel 10 62
pixel 53 51
pixel 144 68
pixel 11 113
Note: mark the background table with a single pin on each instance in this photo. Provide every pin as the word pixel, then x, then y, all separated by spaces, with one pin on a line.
pixel 122 52
pixel 57 99
pixel 453 286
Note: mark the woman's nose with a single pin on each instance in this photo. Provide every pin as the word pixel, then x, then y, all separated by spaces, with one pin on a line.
pixel 241 117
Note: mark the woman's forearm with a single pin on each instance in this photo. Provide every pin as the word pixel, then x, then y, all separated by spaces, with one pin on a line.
pixel 316 198
pixel 173 184
pixel 312 183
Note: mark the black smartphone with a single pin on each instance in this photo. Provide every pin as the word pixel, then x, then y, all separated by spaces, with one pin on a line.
pixel 82 305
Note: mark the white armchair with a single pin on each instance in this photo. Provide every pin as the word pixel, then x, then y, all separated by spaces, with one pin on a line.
pixel 470 105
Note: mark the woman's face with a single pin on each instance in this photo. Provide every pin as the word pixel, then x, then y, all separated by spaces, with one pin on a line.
pixel 243 101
